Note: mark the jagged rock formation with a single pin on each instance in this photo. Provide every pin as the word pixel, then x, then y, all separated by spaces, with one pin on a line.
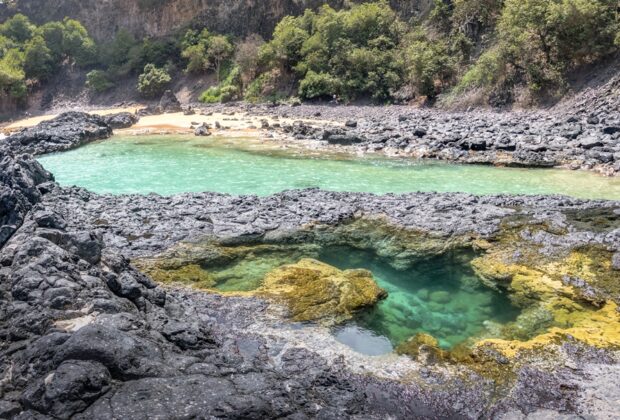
pixel 103 18
pixel 578 136
pixel 67 131
pixel 84 335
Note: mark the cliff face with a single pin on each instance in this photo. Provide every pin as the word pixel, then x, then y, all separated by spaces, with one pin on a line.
pixel 104 18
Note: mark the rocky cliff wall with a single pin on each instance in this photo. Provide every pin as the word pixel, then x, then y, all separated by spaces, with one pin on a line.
pixel 104 18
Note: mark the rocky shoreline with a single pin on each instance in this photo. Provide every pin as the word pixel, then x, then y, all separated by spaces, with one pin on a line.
pixel 85 335
pixel 587 141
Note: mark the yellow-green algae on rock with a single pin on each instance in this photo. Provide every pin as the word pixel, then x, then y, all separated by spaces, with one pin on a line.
pixel 312 291
pixel 315 291
pixel 565 294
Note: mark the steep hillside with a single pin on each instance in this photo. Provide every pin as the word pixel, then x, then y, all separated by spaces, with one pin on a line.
pixel 103 18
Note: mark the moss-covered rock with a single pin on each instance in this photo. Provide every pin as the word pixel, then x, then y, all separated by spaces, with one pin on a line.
pixel 314 291
pixel 423 347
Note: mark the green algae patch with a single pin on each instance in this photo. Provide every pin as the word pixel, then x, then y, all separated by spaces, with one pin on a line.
pixel 569 293
pixel 223 269
pixel 315 291
pixel 192 274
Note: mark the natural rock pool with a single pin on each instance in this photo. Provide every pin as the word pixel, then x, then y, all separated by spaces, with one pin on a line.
pixel 440 296
pixel 176 164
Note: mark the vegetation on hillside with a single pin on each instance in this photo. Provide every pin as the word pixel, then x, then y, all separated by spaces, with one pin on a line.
pixel 31 54
pixel 489 51
pixel 493 50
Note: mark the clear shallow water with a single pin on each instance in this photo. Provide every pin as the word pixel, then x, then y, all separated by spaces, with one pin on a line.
pixel 175 164
pixel 441 296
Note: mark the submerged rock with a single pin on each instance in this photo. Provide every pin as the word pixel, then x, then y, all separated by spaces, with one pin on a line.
pixel 315 291
pixel 422 346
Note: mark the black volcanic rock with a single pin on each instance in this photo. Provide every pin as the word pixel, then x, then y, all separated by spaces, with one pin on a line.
pixel 121 120
pixel 67 131
pixel 20 178
pixel 85 335
pixel 169 102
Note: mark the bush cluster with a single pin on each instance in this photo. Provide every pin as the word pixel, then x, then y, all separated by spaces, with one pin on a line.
pixel 363 51
pixel 31 54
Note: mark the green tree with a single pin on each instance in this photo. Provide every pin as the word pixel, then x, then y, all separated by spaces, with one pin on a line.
pixel 12 76
pixel 39 62
pixel 543 39
pixel 194 50
pixel 6 44
pixel 98 81
pixel 18 28
pixel 429 63
pixel 53 33
pixel 77 44
pixel 153 81
pixel 203 51
pixel 351 53
pixel 196 58
pixel 247 58
pixel 219 51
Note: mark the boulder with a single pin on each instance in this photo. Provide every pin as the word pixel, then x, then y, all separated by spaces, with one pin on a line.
pixel 121 120
pixel 612 129
pixel 202 130
pixel 19 192
pixel 68 390
pixel 615 261
pixel 344 139
pixel 169 102
pixel 590 142
pixel 314 291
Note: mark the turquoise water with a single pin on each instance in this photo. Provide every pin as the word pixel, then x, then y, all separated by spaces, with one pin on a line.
pixel 441 296
pixel 175 164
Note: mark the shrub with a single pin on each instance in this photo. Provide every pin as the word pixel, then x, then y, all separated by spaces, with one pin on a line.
pixel 485 73
pixel 98 81
pixel 264 87
pixel 317 85
pixel 229 93
pixel 247 58
pixel 211 95
pixel 153 81
pixel 228 90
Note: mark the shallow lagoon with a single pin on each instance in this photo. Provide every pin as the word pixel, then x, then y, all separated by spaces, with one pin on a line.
pixel 174 164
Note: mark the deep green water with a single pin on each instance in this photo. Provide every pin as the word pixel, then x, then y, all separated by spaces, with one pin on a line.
pixel 175 164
